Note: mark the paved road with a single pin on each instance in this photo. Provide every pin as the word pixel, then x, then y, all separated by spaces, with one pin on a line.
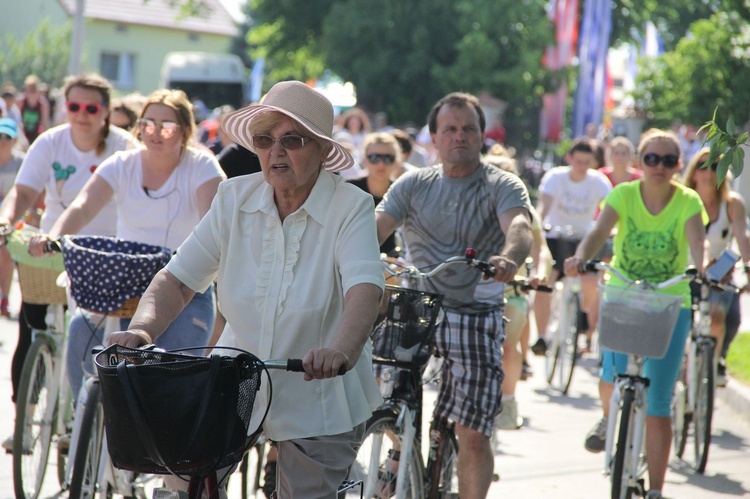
pixel 543 459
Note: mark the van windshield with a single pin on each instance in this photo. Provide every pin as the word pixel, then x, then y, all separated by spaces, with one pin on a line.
pixel 213 94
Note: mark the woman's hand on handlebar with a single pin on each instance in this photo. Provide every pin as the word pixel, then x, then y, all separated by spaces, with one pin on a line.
pixel 324 363
pixel 572 266
pixel 132 339
pixel 37 243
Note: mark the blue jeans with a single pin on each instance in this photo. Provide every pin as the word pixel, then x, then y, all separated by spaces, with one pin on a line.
pixel 191 328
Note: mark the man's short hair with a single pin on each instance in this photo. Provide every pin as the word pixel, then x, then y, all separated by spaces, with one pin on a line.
pixel 456 99
pixel 585 145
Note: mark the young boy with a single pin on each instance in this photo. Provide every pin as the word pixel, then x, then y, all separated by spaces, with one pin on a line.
pixel 568 203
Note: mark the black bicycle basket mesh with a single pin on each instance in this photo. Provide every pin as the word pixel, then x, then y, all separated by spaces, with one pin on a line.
pixel 175 413
pixel 406 332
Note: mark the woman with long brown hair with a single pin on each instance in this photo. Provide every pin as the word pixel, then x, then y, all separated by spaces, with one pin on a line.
pixel 59 163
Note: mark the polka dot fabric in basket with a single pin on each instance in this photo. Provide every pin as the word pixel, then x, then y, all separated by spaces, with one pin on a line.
pixel 106 271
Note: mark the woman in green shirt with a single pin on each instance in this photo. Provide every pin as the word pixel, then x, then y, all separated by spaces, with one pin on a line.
pixel 658 222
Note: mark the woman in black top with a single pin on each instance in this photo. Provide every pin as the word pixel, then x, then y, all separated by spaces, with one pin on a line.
pixel 382 158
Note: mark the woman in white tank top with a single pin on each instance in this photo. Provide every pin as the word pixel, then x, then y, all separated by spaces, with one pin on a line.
pixel 728 219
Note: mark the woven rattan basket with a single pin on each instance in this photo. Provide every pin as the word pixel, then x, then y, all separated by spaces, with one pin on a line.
pixel 39 285
pixel 127 310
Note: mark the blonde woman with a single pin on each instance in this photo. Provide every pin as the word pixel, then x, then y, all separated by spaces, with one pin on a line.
pixel 727 217
pixel 161 192
pixel 659 223
pixel 621 153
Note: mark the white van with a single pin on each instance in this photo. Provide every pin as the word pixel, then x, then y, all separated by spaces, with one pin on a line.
pixel 216 79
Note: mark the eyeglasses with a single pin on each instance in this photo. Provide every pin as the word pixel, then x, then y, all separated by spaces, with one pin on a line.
pixel 167 129
pixel 388 159
pixel 90 107
pixel 289 142
pixel 712 166
pixel 5 136
pixel 668 160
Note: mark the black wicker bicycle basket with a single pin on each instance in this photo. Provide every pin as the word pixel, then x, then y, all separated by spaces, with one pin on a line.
pixel 406 331
pixel 171 413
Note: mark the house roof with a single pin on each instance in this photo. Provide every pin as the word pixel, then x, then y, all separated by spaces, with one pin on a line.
pixel 158 13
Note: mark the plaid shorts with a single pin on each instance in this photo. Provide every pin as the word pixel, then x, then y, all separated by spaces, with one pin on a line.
pixel 471 385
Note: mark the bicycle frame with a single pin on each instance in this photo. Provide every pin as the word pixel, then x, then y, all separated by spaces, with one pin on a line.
pixel 635 382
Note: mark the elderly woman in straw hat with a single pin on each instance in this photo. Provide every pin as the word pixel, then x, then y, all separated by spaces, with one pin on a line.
pixel 296 255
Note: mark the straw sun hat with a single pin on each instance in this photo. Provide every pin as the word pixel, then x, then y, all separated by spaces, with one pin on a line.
pixel 303 104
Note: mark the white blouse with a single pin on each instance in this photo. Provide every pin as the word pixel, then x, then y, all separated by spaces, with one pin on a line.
pixel 281 287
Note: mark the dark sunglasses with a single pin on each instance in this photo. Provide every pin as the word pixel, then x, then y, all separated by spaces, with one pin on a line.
pixel 388 159
pixel 5 136
pixel 712 166
pixel 89 107
pixel 668 160
pixel 289 142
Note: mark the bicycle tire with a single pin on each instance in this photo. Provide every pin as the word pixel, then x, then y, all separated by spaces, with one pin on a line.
pixel 377 441
pixel 680 414
pixel 704 402
pixel 624 443
pixel 446 471
pixel 89 447
pixel 552 335
pixel 568 347
pixel 251 470
pixel 36 407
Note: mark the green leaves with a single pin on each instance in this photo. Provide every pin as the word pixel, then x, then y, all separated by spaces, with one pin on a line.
pixel 726 146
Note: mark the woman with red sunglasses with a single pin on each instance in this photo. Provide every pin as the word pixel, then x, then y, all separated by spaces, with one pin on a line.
pixel 59 163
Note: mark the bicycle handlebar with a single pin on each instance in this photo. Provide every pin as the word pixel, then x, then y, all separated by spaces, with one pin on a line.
pixel 294 365
pixel 690 274
pixel 469 258
pixel 524 284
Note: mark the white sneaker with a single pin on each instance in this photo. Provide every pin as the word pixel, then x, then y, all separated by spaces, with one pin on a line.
pixel 8 445
pixel 508 418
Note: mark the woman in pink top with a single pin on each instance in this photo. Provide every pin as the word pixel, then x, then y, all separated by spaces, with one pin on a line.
pixel 622 158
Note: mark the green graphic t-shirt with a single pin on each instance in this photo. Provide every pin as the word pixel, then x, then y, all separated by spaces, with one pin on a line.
pixel 653 247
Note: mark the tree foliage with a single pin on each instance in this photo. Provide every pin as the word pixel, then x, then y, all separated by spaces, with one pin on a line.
pixel 707 69
pixel 43 52
pixel 403 56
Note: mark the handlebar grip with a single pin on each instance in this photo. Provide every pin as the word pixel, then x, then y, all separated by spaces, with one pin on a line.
pixel 52 247
pixel 545 289
pixel 295 365
pixel 589 267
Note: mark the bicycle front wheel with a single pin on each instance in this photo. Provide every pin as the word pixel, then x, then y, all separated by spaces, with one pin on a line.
pixel 621 466
pixel 568 347
pixel 680 413
pixel 374 464
pixel 36 406
pixel 443 471
pixel 89 447
pixel 252 470
pixel 704 402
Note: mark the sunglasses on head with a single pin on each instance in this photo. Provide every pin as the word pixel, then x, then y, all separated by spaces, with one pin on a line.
pixel 712 166
pixel 668 160
pixel 90 107
pixel 289 142
pixel 5 136
pixel 167 129
pixel 388 159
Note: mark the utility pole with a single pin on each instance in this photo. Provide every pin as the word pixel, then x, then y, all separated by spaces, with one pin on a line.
pixel 76 44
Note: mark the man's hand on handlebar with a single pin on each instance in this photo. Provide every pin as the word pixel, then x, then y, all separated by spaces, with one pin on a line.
pixel 505 268
pixel 132 339
pixel 324 363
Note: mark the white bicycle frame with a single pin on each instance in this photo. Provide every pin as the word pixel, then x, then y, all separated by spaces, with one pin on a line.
pixel 406 422
pixel 636 427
